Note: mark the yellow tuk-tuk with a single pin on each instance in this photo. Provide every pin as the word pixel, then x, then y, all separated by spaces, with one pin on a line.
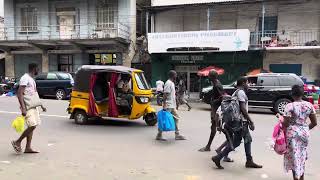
pixel 111 92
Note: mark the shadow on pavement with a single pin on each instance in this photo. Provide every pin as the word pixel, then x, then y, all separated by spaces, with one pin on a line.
pixel 113 123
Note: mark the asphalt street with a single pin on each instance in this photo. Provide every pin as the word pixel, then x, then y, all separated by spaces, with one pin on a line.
pixel 126 150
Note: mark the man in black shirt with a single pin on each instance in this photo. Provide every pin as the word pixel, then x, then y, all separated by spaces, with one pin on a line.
pixel 216 98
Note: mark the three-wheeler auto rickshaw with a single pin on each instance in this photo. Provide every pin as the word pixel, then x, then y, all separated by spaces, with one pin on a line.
pixel 111 92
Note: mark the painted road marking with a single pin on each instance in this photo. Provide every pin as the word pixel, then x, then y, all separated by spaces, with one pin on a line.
pixel 5 162
pixel 44 115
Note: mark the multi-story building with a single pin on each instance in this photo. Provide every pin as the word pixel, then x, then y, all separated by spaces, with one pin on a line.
pixel 61 35
pixel 282 36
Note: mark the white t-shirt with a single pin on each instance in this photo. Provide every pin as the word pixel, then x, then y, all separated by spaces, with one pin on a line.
pixel 160 85
pixel 242 97
pixel 170 90
pixel 28 81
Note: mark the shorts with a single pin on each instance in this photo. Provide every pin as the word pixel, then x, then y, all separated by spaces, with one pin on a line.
pixel 182 99
pixel 174 113
pixel 33 117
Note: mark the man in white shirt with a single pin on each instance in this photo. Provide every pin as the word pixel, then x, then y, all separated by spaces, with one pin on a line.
pixel 27 86
pixel 159 85
pixel 170 104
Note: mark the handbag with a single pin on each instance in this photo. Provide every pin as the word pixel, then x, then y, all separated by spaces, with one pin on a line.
pixel 32 101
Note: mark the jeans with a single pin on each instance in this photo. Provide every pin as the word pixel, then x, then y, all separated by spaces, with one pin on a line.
pixel 236 138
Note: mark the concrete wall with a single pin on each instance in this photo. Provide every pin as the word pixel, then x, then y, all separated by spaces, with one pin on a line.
pixel 296 17
pixel 310 61
pixel 47 17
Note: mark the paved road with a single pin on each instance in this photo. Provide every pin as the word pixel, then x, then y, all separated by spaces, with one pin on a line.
pixel 123 150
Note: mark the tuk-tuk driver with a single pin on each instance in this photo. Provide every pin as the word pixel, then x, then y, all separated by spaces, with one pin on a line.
pixel 125 91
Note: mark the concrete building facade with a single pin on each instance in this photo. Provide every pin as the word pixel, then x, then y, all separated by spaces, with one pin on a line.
pixel 61 35
pixel 284 34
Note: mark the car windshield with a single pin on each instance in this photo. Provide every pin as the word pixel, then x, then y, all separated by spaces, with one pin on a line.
pixel 141 81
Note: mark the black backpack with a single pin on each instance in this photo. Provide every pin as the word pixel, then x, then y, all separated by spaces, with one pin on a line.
pixel 231 114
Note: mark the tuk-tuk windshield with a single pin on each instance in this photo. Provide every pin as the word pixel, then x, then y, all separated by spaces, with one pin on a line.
pixel 141 81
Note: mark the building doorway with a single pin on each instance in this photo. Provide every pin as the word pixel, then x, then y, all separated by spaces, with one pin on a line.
pixel 65 62
pixel 190 74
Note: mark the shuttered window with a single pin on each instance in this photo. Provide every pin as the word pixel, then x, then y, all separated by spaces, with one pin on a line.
pixel 29 19
pixel 106 14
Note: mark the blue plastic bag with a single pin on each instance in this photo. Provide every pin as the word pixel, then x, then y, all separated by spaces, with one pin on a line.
pixel 166 121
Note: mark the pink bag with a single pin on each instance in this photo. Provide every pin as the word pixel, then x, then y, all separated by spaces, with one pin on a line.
pixel 279 138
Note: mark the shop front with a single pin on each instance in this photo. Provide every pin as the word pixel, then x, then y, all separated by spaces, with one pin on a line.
pixel 188 52
pixel 187 65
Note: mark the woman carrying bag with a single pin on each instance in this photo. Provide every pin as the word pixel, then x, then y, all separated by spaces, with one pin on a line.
pixel 298 132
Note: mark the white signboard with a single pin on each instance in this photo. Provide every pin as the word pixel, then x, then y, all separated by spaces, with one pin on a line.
pixel 180 2
pixel 221 40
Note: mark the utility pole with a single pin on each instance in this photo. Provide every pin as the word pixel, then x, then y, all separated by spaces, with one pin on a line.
pixel 262 23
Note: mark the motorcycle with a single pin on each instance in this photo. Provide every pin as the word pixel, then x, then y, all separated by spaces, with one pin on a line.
pixel 159 96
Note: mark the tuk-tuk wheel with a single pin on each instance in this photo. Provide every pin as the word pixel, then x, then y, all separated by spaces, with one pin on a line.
pixel 80 117
pixel 151 119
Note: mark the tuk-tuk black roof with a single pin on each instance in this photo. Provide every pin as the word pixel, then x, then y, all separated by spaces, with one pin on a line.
pixel 109 68
pixel 82 77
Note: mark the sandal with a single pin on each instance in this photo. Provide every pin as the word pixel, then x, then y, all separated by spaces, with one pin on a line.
pixel 16 148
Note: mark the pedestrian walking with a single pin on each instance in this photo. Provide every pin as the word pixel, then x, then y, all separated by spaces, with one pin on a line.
pixel 217 93
pixel 240 130
pixel 29 103
pixel 297 132
pixel 169 104
pixel 181 98
pixel 160 85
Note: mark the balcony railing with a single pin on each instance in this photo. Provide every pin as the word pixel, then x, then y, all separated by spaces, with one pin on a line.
pixel 65 32
pixel 285 38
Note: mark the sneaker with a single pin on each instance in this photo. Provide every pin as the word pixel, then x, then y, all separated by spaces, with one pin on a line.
pixel 227 159
pixel 160 138
pixel 217 162
pixel 251 164
pixel 180 138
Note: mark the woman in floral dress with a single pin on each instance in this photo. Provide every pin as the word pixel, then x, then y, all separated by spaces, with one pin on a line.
pixel 297 132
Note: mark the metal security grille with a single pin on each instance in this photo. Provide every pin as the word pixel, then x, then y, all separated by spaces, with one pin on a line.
pixel 29 19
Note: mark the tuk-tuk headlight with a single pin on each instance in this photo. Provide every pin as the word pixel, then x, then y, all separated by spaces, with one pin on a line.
pixel 142 100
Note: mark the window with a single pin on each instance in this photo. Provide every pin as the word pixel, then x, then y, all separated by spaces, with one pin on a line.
pixel 64 76
pixel 270 24
pixel 52 76
pixel 268 81
pixel 41 77
pixel 66 17
pixel 65 63
pixel 141 81
pixel 106 14
pixel 29 19
pixel 253 81
pixel 103 59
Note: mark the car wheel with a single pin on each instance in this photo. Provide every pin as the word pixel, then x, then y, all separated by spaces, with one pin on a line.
pixel 60 94
pixel 280 105
pixel 80 117
pixel 151 119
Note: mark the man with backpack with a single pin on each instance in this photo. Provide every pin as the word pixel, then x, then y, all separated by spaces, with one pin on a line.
pixel 237 123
